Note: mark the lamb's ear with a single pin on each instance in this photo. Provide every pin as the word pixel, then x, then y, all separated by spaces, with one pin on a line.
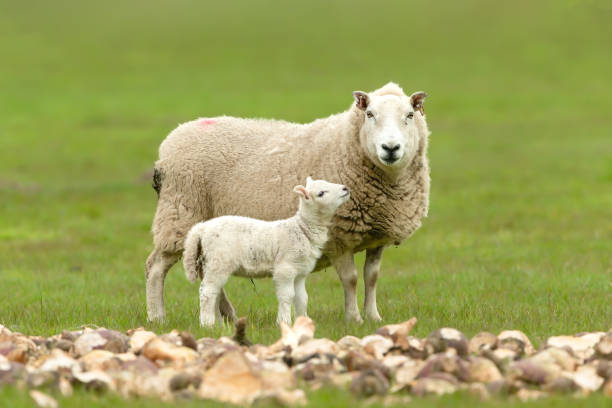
pixel 301 190
pixel 416 100
pixel 308 180
pixel 362 100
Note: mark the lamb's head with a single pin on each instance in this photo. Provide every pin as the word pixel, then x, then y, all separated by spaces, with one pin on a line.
pixel 392 126
pixel 320 198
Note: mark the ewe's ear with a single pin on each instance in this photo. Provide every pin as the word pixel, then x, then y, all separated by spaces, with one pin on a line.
pixel 416 100
pixel 301 191
pixel 362 100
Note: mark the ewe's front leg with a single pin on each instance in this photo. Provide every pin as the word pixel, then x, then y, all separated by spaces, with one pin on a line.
pixel 285 293
pixel 370 275
pixel 300 301
pixel 347 272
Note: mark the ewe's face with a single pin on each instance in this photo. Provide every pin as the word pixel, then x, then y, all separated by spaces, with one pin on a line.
pixel 322 196
pixel 389 133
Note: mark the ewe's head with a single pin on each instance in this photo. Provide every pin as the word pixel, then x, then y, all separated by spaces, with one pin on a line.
pixel 393 126
pixel 321 198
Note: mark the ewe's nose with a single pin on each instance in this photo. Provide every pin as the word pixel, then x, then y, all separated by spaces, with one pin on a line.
pixel 390 148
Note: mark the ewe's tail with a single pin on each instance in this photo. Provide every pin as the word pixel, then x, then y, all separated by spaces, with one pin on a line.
pixel 192 254
pixel 157 180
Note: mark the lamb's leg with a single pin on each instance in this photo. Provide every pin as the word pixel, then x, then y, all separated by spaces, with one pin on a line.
pixel 208 302
pixel 210 293
pixel 347 272
pixel 300 302
pixel 370 275
pixel 157 266
pixel 285 293
pixel 226 308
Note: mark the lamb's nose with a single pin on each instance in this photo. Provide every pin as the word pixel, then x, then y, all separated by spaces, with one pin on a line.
pixel 345 188
pixel 390 149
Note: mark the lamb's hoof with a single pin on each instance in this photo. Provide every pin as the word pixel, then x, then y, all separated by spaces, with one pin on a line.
pixel 280 322
pixel 207 323
pixel 158 319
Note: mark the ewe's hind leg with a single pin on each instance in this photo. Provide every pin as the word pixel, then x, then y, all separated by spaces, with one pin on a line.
pixel 218 316
pixel 347 272
pixel 370 275
pixel 156 268
pixel 226 308
pixel 300 302
pixel 173 219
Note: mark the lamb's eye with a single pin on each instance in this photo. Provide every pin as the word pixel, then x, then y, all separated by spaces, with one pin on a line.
pixel 410 115
pixel 369 114
pixel 321 193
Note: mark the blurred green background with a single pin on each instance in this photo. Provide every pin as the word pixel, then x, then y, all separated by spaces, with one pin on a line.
pixel 520 228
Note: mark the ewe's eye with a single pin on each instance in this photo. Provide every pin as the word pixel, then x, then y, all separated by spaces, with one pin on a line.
pixel 369 114
pixel 321 193
pixel 410 115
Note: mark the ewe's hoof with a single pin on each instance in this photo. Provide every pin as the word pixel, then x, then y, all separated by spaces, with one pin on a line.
pixel 229 318
pixel 354 319
pixel 374 317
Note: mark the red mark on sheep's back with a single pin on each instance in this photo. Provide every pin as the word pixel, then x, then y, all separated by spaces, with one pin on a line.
pixel 206 122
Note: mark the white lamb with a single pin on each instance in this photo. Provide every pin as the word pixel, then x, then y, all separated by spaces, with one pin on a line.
pixel 286 249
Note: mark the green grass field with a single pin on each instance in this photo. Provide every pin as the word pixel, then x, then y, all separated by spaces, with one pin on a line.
pixel 520 228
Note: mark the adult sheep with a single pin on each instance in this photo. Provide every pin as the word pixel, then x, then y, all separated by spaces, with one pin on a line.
pixel 233 166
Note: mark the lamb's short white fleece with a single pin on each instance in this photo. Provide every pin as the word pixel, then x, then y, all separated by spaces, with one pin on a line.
pixel 287 250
